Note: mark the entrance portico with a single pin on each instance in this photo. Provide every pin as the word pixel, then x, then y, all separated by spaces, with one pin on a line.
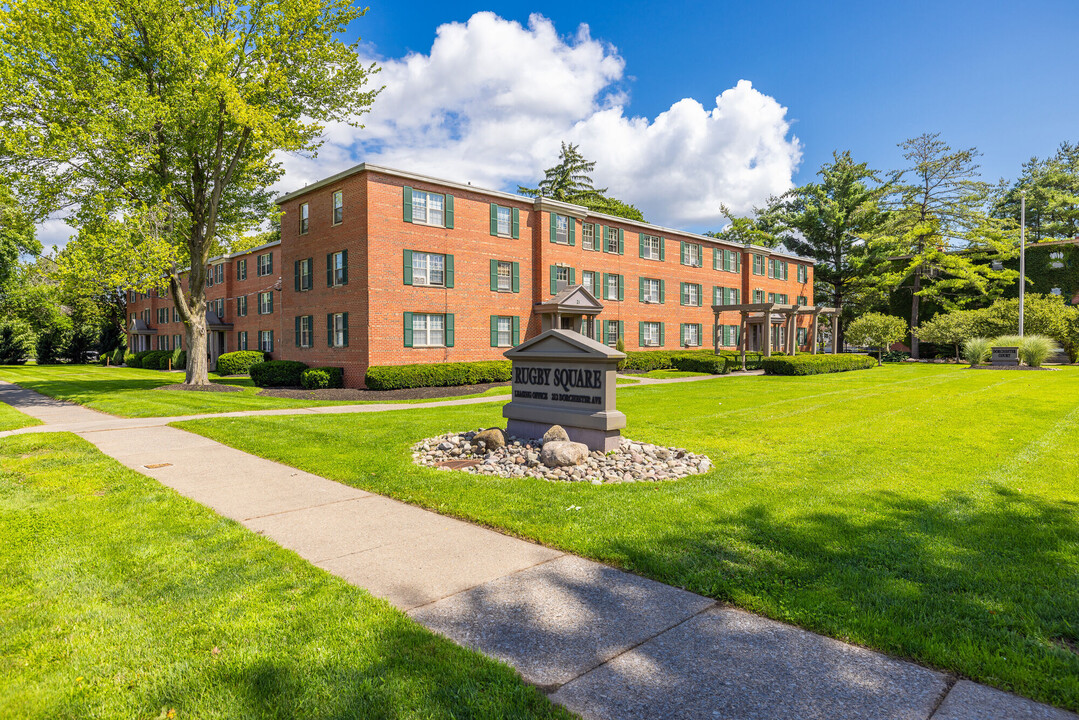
pixel 768 326
pixel 574 308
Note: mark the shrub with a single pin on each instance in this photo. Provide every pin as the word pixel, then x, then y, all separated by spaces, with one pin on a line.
pixel 16 343
pixel 1007 341
pixel 396 377
pixel 239 362
pixel 895 356
pixel 815 364
pixel 713 364
pixel 118 356
pixel 155 359
pixel 1036 349
pixel 323 377
pixel 131 360
pixel 977 350
pixel 277 373
pixel 877 330
pixel 52 341
pixel 179 359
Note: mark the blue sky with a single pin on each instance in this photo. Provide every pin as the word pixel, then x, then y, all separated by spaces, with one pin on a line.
pixel 863 76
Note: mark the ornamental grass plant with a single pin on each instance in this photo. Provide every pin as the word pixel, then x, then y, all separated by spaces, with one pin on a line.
pixel 1036 349
pixel 977 350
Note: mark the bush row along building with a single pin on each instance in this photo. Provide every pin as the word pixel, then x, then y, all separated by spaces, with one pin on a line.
pixel 380 267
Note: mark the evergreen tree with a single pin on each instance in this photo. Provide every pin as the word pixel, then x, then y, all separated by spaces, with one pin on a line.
pixel 571 181
pixel 1052 192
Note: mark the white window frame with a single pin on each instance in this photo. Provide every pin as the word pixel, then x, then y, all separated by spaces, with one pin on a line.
pixel 264 305
pixel 241 306
pixel 588 236
pixel 264 267
pixel 691 328
pixel 611 240
pixel 504 330
pixel 241 340
pixel 242 271
pixel 423 269
pixel 561 278
pixel 607 293
pixel 424 211
pixel 694 253
pixel 504 273
pixel 503 221
pixel 423 327
pixel 691 294
pixel 338 260
pixel 588 279
pixel 651 290
pixel 337 213
pixel 561 229
pixel 651 246
pixel 266 340
pixel 338 329
pixel 650 334
pixel 305 218
pixel 611 333
pixel 306 336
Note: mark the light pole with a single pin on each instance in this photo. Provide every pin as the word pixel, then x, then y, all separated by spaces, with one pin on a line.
pixel 1022 255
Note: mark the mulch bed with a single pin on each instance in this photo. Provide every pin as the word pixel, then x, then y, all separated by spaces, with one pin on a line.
pixel 355 394
pixel 212 387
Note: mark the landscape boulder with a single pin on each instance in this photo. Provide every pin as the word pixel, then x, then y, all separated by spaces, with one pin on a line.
pixel 492 437
pixel 562 453
pixel 556 434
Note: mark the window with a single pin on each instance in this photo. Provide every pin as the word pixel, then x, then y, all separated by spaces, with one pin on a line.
pixel 802 336
pixel 726 296
pixel 338 207
pixel 503 335
pixel 727 260
pixel 241 306
pixel 803 300
pixel 265 264
pixel 265 302
pixel 691 294
pixel 758 264
pixel 241 269
pixel 588 236
pixel 337 325
pixel 560 229
pixel 589 280
pixel 177 342
pixel 219 308
pixel 241 340
pixel 303 331
pixel 304 213
pixel 266 340
pixel 303 271
pixel 613 287
pixel 219 273
pixel 588 326
pixel 561 278
pixel 728 335
pixel 428 330
pixel 505 276
pixel 651 290
pixel 650 332
pixel 209 276
pixel 614 240
pixel 614 331
pixel 337 269
pixel 779 298
pixel 175 315
pixel 691 335
pixel 428 208
pixel 758 296
pixel 162 315
pixel 691 254
pixel 428 269
pixel 503 221
pixel 777 269
pixel 651 247
pixel 803 273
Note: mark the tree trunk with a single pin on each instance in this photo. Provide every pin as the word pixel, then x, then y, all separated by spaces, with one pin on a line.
pixel 915 298
pixel 197 372
pixel 837 303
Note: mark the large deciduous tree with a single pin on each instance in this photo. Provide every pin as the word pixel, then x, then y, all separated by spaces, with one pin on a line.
pixel 877 330
pixel 831 221
pixel 162 120
pixel 940 235
pixel 17 235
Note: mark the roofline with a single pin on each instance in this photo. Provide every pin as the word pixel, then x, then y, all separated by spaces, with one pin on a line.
pixel 578 211
pixel 230 256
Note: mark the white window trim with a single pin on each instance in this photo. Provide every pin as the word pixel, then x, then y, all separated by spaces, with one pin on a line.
pixel 426 218
pixel 498 221
pixel 509 330
pixel 588 236
pixel 426 318
pixel 507 276
pixel 334 207
pixel 651 334
pixel 425 273
pixel 650 297
pixel 653 252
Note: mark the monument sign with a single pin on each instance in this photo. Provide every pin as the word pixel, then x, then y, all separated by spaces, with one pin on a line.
pixel 1005 356
pixel 561 377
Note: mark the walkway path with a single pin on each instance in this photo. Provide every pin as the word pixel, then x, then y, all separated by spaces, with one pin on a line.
pixel 604 643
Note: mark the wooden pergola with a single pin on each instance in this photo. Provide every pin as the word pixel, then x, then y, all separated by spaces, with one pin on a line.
pixel 770 314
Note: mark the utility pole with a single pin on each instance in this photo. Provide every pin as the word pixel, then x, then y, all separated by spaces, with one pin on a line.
pixel 1022 255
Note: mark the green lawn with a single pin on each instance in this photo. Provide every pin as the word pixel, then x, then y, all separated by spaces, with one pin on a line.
pixel 669 374
pixel 12 419
pixel 928 511
pixel 129 392
pixel 121 599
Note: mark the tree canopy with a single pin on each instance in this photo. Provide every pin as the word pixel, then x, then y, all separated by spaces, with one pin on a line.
pixel 157 124
pixel 877 330
pixel 571 181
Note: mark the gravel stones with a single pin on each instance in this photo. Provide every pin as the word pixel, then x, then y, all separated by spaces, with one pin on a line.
pixel 561 453
pixel 631 462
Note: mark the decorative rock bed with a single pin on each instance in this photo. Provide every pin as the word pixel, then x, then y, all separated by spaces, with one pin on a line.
pixel 632 462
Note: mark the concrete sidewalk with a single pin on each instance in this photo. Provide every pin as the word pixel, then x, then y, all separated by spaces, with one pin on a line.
pixel 604 643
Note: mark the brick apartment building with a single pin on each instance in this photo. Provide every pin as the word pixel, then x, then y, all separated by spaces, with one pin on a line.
pixel 378 267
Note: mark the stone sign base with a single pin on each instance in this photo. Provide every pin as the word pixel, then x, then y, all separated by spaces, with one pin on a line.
pixel 595 439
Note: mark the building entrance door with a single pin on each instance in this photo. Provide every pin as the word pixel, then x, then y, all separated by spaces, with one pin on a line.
pixel 566 322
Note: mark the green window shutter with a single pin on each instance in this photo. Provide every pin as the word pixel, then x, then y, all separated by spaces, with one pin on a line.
pixel 344 327
pixel 700 331
pixel 515 229
pixel 554 280
pixel 271 302
pixel 449 271
pixel 408 329
pixel 329 268
pixel 297 331
pixel 737 261
pixel 516 280
pixel 621 244
pixel 621 330
pixel 449 211
pixel 682 251
pixel 571 226
pixel 604 288
pixel 662 286
pixel 516 340
pixel 662 342
pixel 554 227
pixel 296 271
pixel 640 243
pixel 494 274
pixel 344 267
pixel 449 329
pixel 640 334
pixel 621 287
pixel 494 331
pixel 494 219
pixel 329 329
pixel 407 268
pixel 681 293
pixel 640 289
pixel 736 295
pixel 271 264
pixel 662 250
pixel 715 258
pixel 681 334
pixel 407 205
pixel 573 276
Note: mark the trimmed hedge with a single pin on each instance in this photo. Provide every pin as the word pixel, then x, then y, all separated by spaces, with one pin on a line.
pixel 136 360
pixel 690 361
pixel 816 364
pixel 712 364
pixel 156 359
pixel 277 373
pixel 239 362
pixel 322 377
pixel 396 377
